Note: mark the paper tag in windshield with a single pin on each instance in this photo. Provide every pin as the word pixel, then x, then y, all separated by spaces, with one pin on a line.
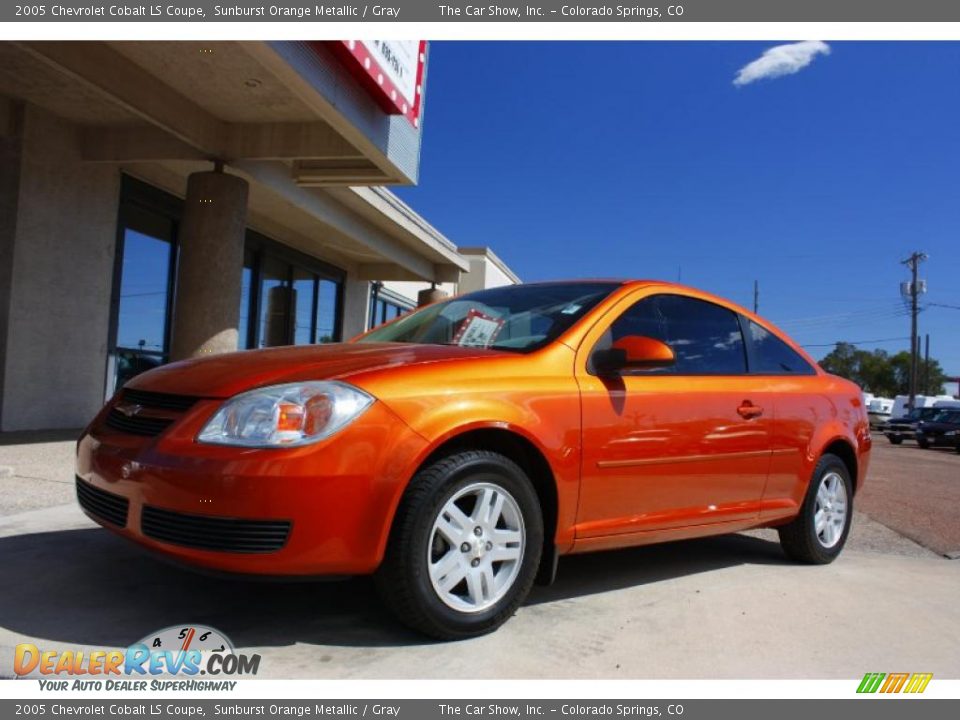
pixel 570 310
pixel 477 330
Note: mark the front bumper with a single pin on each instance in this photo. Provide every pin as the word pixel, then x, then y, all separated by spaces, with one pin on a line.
pixel 939 439
pixel 322 509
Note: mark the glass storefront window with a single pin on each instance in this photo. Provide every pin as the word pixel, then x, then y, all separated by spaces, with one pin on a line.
pixel 286 297
pixel 328 310
pixel 383 309
pixel 296 300
pixel 246 287
pixel 144 292
pixel 143 282
pixel 274 292
pixel 302 301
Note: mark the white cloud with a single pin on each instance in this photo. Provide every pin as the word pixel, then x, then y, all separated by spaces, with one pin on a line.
pixel 781 60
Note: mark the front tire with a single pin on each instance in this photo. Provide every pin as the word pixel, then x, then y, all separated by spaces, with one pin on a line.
pixel 464 548
pixel 895 440
pixel 925 444
pixel 819 532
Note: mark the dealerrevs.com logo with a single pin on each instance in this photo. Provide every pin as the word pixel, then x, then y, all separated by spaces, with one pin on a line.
pixel 894 682
pixel 178 651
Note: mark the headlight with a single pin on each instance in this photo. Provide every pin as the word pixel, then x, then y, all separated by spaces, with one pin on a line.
pixel 285 415
pixel 951 433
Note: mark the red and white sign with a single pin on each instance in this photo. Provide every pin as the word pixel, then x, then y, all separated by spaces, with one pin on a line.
pixel 390 70
pixel 477 330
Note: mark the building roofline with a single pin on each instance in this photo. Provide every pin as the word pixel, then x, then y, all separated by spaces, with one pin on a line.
pixel 484 251
pixel 397 215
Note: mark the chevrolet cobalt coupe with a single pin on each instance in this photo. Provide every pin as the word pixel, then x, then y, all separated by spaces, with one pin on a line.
pixel 458 451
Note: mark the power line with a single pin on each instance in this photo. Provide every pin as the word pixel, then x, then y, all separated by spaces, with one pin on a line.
pixel 891 309
pixel 856 342
pixel 943 305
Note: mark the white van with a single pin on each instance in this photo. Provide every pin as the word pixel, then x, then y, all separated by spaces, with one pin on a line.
pixel 879 410
pixel 900 403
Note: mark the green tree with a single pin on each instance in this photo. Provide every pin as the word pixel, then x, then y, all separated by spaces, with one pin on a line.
pixel 881 373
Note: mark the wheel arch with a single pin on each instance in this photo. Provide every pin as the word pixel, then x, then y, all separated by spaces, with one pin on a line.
pixel 843 449
pixel 522 450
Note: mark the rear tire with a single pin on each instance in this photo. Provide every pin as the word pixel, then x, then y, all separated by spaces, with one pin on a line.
pixel 925 444
pixel 819 532
pixel 895 440
pixel 464 548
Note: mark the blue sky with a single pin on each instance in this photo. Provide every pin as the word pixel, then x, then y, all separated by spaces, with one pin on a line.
pixel 646 160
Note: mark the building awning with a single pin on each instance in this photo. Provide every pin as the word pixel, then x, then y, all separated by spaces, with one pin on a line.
pixel 283 115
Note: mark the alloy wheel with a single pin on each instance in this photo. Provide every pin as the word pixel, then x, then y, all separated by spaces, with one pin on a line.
pixel 830 513
pixel 476 547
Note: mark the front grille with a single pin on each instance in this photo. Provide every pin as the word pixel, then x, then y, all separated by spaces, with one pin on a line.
pixel 137 424
pixel 204 532
pixel 104 505
pixel 148 413
pixel 162 401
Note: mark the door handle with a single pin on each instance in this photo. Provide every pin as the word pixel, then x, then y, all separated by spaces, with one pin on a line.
pixel 748 410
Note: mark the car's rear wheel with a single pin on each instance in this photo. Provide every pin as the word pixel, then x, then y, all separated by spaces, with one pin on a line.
pixel 465 546
pixel 894 440
pixel 819 532
pixel 925 444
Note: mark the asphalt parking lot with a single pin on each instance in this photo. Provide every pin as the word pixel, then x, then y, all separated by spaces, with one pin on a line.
pixel 722 607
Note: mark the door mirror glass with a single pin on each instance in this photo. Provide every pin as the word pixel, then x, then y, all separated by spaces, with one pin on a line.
pixel 633 352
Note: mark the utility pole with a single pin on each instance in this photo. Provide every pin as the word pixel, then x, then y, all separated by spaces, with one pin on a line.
pixel 926 364
pixel 756 296
pixel 913 291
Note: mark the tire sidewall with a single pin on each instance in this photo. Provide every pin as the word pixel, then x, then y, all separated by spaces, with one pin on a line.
pixel 508 476
pixel 828 464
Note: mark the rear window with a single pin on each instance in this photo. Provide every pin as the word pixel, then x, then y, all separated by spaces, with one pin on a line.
pixel 771 356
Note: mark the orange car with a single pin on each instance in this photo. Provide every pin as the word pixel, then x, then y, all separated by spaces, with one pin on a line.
pixel 458 451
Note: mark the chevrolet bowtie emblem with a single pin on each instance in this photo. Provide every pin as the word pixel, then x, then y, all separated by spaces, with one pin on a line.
pixel 129 409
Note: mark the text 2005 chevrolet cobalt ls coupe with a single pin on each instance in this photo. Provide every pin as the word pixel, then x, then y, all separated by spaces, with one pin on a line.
pixel 456 452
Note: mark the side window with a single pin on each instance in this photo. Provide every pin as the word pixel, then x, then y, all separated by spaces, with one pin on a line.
pixel 642 318
pixel 772 356
pixel 705 338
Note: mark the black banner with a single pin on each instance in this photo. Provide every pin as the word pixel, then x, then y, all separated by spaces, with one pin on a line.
pixel 853 709
pixel 457 11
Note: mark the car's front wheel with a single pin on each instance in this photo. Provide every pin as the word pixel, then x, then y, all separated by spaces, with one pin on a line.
pixel 894 439
pixel 465 546
pixel 819 532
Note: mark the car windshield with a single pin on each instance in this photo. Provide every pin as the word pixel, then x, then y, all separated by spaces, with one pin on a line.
pixel 947 416
pixel 520 318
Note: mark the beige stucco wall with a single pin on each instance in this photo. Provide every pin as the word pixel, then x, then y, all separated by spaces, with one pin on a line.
pixel 60 280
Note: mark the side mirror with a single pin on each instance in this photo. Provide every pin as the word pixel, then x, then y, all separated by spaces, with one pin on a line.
pixel 633 352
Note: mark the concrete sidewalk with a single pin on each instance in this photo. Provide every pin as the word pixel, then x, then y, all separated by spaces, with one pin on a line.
pixel 36 469
pixel 722 607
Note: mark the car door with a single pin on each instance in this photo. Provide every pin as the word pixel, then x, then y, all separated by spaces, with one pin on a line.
pixel 676 447
pixel 795 408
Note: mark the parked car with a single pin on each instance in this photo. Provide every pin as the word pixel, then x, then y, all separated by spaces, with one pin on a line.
pixel 456 452
pixel 905 428
pixel 879 411
pixel 943 430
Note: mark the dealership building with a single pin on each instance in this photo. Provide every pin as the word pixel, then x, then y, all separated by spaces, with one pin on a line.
pixel 168 200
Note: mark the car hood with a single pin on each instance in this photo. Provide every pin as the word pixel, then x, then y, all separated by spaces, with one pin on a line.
pixel 938 426
pixel 225 375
